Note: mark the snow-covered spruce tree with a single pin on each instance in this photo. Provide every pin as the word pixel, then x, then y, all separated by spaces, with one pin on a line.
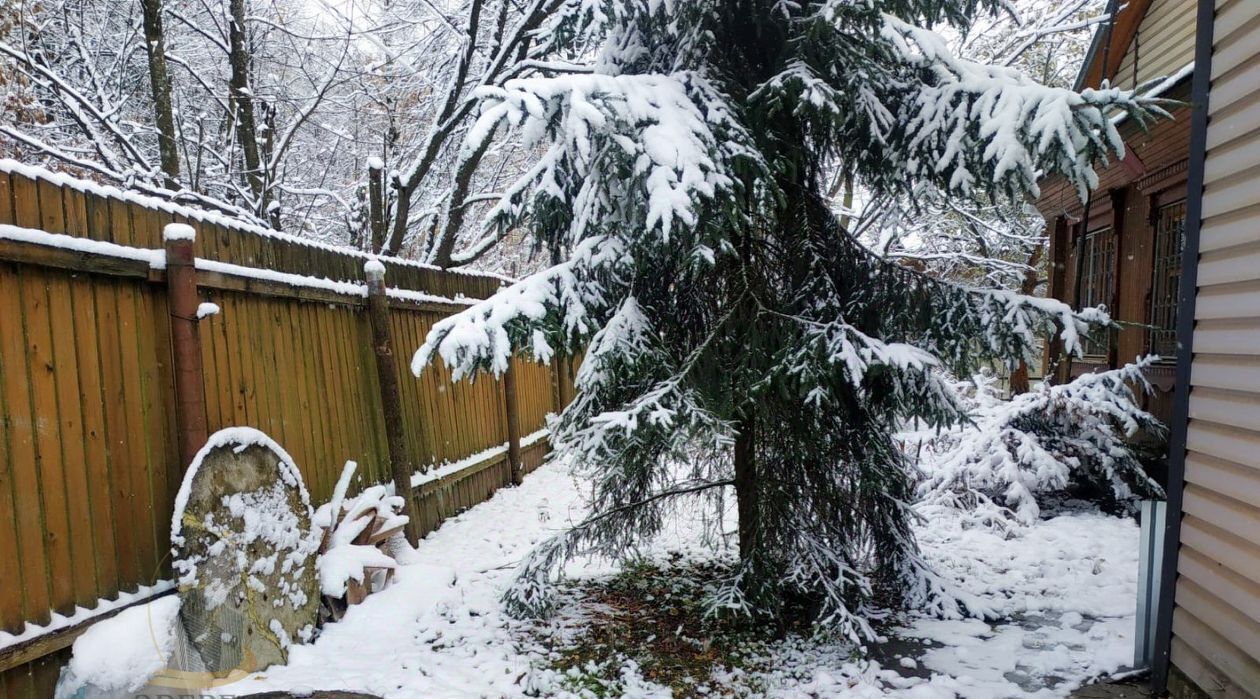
pixel 728 323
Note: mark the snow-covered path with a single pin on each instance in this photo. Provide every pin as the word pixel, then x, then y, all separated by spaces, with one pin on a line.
pixel 440 631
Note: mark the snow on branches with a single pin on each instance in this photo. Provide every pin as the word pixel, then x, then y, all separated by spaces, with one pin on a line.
pixel 1048 440
pixel 994 125
pixel 736 335
pixel 670 136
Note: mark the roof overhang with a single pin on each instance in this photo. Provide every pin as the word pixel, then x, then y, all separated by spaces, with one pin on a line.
pixel 1111 41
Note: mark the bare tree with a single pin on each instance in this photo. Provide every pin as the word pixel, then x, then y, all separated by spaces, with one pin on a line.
pixel 160 84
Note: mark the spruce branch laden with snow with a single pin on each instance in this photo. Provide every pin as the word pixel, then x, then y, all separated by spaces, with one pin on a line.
pixel 1047 441
pixel 729 323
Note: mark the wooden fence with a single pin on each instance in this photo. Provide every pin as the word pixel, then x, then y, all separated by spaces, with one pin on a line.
pixel 89 461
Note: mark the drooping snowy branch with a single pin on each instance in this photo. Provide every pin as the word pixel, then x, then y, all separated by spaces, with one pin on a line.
pixel 976 123
pixel 1044 442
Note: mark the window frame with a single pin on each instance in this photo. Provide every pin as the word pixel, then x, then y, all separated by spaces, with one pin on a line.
pixel 1097 285
pixel 1168 239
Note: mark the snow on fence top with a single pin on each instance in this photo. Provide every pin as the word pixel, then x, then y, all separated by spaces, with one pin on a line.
pixel 225 239
pixel 178 231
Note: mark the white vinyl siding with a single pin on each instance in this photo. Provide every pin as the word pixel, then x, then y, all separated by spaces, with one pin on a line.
pixel 1216 623
pixel 1164 43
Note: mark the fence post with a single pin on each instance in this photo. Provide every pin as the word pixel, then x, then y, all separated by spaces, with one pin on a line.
pixel 400 466
pixel 182 302
pixel 557 396
pixel 513 425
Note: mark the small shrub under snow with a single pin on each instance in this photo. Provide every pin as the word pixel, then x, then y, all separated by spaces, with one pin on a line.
pixel 1049 440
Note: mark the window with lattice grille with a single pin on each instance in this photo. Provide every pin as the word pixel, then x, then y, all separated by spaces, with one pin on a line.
pixel 1170 229
pixel 1097 279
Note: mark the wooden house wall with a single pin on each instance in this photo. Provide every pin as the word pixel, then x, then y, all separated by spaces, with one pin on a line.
pixel 1151 174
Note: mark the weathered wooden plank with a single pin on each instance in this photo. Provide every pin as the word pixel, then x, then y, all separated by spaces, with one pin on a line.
pixel 6 200
pixel 335 431
pixel 408 390
pixel 52 487
pixel 118 436
pixel 212 341
pixel 139 497
pixel 42 646
pixel 311 409
pixel 77 215
pixel 52 215
pixel 69 415
pixel 96 446
pixel 156 386
pixel 238 363
pixel 12 412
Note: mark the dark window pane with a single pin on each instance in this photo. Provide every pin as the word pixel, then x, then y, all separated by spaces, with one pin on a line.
pixel 1170 228
pixel 1097 280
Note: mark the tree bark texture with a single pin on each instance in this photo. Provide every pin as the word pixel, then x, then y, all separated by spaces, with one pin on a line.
pixel 160 84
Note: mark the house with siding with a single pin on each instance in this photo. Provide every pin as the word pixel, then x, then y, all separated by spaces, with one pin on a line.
pixel 1121 248
pixel 1208 631
pixel 1170 242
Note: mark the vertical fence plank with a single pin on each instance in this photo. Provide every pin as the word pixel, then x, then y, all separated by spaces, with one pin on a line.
pixel 329 384
pixel 212 339
pixel 238 363
pixel 25 203
pixel 118 434
pixel 351 421
pixel 76 214
pixel 96 446
pixel 120 223
pixel 137 496
pixel 150 321
pixel 52 487
pixel 321 465
pixel 6 200
pixel 98 223
pixel 359 350
pixel 52 215
pixel 19 684
pixel 61 314
pixel 15 567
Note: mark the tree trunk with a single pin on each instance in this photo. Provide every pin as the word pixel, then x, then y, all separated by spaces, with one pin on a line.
pixel 160 83
pixel 1019 377
pixel 455 209
pixel 847 202
pixel 746 492
pixel 376 206
pixel 242 102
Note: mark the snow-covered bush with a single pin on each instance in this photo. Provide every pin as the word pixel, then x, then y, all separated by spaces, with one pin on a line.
pixel 1054 438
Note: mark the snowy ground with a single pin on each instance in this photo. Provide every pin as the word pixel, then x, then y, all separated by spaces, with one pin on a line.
pixel 1066 588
